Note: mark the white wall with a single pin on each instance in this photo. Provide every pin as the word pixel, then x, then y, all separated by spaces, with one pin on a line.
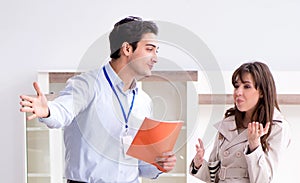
pixel 50 35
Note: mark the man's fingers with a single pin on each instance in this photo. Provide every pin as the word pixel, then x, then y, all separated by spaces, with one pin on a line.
pixel 160 159
pixel 37 88
pixel 28 98
pixel 31 117
pixel 170 153
pixel 166 163
pixel 164 159
pixel 25 103
pixel 27 109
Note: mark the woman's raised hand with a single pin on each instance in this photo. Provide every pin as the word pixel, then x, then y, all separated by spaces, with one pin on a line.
pixel 199 157
pixel 255 131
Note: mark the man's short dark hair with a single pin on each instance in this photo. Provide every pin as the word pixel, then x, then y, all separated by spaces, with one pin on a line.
pixel 130 29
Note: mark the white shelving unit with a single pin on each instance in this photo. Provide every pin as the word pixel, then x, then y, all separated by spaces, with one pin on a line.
pixel 44 147
pixel 44 153
pixel 175 99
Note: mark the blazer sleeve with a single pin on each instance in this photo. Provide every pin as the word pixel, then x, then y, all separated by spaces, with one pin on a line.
pixel 203 172
pixel 262 165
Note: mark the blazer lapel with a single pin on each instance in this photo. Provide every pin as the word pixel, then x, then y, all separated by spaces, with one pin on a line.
pixel 227 128
pixel 240 138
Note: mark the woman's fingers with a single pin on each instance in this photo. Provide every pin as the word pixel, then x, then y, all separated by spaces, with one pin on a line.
pixel 200 147
pixel 266 129
pixel 200 143
pixel 199 157
pixel 256 128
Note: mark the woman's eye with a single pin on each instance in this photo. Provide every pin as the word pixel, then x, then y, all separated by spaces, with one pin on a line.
pixel 247 86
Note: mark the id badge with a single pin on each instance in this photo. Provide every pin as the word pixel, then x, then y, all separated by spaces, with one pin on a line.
pixel 126 141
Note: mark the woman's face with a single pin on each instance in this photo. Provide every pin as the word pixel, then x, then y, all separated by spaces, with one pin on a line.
pixel 245 94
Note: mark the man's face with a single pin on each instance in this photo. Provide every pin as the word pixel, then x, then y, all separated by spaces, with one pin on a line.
pixel 142 60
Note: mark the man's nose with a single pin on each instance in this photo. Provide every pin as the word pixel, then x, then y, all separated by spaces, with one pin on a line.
pixel 154 60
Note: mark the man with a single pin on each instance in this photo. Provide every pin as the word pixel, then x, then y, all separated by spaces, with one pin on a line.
pixel 101 110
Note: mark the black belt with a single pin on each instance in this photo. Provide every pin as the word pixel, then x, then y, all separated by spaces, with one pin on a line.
pixel 73 181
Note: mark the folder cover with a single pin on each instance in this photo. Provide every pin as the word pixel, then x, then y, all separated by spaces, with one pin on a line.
pixel 153 139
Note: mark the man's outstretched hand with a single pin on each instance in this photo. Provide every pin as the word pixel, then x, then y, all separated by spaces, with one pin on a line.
pixel 37 105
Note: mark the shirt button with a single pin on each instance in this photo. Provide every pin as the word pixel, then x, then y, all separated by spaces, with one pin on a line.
pixel 238 154
pixel 226 153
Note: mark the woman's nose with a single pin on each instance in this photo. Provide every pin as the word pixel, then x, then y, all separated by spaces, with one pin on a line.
pixel 238 91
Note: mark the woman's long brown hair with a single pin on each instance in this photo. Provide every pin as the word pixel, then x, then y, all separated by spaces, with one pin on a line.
pixel 264 110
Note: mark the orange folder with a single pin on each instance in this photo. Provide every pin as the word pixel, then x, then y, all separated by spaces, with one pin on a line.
pixel 153 139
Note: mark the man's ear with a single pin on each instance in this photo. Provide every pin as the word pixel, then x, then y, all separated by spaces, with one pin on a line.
pixel 126 49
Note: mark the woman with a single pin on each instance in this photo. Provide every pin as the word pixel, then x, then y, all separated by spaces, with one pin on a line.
pixel 252 135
